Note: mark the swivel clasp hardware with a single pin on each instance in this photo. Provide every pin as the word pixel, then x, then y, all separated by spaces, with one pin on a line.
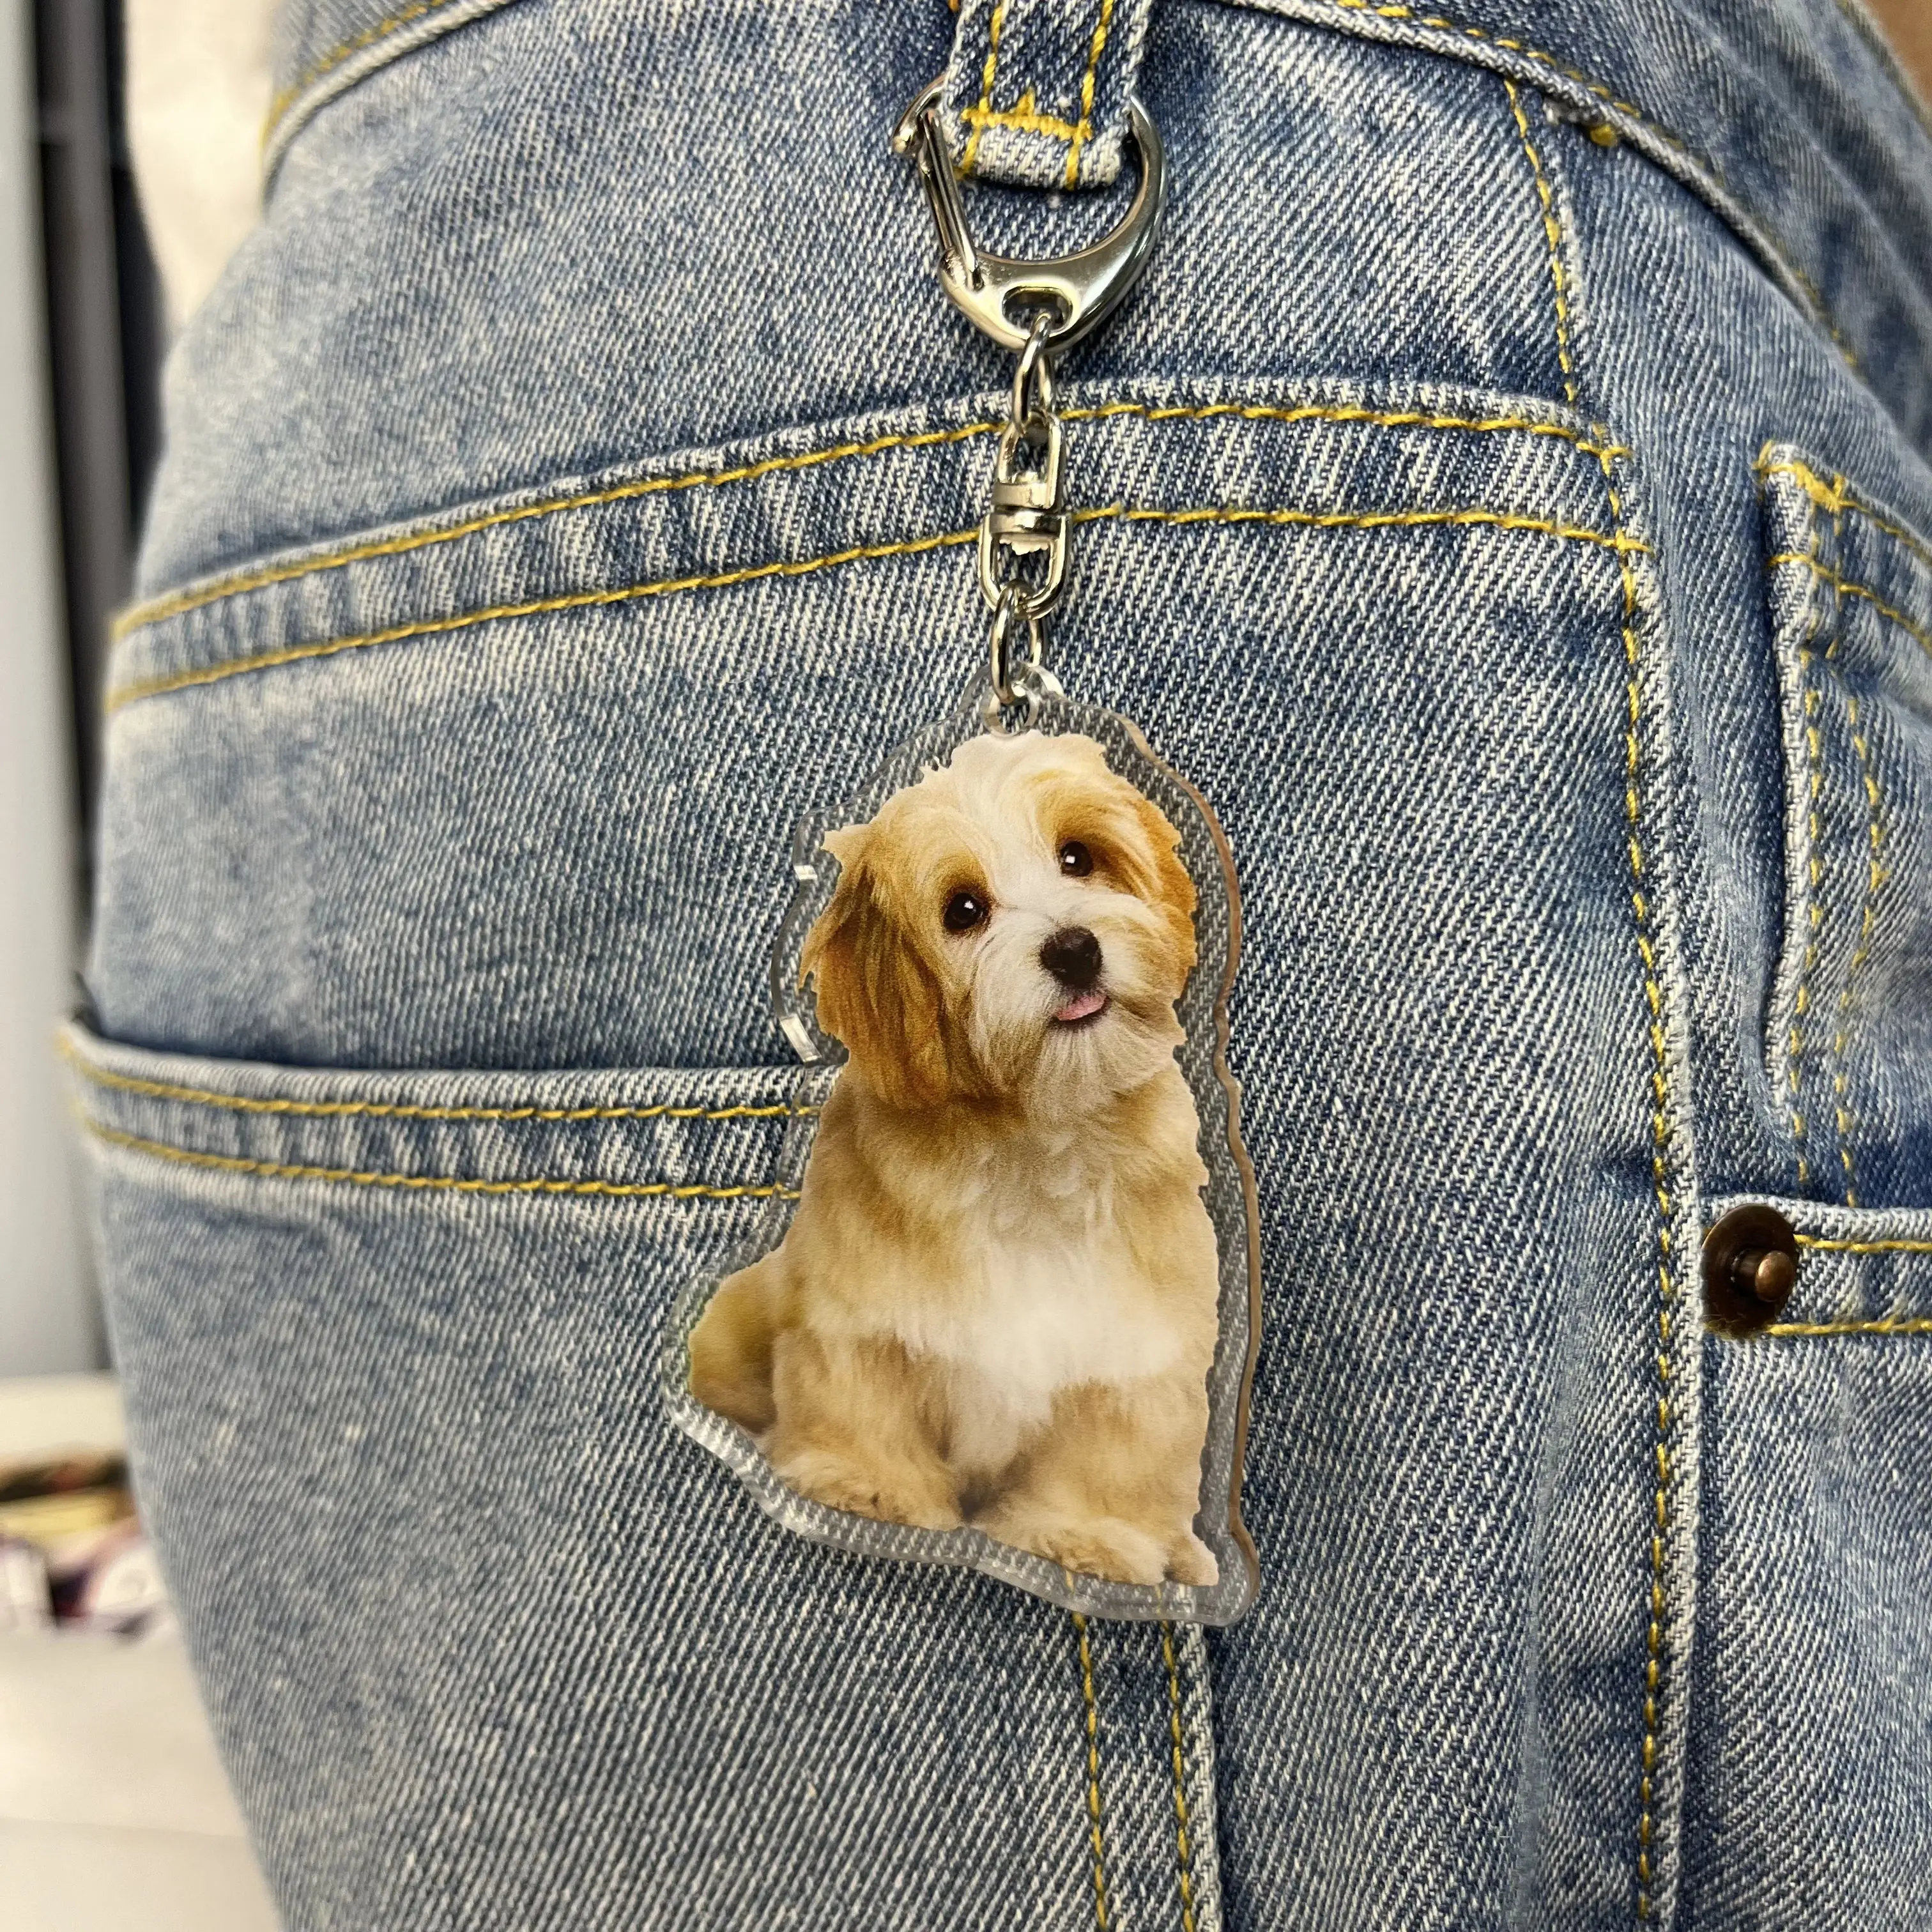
pixel 996 293
pixel 1038 310
pixel 1028 514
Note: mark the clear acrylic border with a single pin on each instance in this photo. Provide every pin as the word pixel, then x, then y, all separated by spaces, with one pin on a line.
pixel 1230 1196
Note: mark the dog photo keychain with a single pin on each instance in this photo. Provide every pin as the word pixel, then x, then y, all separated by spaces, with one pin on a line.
pixel 1004 1311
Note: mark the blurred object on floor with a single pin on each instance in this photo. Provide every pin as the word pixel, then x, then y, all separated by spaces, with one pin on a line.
pixel 67 1516
pixel 115 1815
pixel 111 1584
pixel 198 89
pixel 74 1518
pixel 26 1597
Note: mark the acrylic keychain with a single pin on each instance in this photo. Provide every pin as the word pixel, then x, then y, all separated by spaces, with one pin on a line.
pixel 1004 1312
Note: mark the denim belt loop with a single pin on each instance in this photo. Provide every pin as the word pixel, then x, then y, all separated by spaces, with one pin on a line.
pixel 1036 91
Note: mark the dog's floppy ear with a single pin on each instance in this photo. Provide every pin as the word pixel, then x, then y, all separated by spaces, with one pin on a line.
pixel 875 994
pixel 1174 889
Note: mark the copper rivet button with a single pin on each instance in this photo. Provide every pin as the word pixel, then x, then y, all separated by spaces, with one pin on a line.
pixel 1750 1267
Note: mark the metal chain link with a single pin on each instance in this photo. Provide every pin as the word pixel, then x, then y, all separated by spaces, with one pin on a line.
pixel 1037 310
pixel 1025 536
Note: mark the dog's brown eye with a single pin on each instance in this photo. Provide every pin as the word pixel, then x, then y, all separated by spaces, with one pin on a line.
pixel 1075 861
pixel 964 911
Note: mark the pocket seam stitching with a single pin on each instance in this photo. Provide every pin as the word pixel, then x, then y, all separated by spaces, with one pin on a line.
pixel 1092 1729
pixel 269 1170
pixel 1183 1872
pixel 1553 233
pixel 139 616
pixel 1226 514
pixel 1810 726
pixel 1799 1330
pixel 1876 877
pixel 1846 586
pixel 240 1103
pixel 1836 495
pixel 1829 1244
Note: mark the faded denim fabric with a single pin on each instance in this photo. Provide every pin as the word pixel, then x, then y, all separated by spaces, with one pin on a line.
pixel 1036 90
pixel 1506 499
pixel 322 48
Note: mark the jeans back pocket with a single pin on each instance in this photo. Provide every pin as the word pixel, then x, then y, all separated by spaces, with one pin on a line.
pixel 1850 1031
pixel 484 1641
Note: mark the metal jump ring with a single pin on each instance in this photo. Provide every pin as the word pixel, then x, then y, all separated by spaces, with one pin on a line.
pixel 1034 370
pixel 1033 685
pixel 1027 684
pixel 1014 604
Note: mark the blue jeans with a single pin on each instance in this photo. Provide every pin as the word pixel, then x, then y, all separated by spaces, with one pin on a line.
pixel 1505 499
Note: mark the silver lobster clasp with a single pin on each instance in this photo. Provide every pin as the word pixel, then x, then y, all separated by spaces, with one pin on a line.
pixel 993 292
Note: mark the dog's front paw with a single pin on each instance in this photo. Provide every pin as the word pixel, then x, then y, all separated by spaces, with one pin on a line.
pixel 1101 1546
pixel 1190 1561
pixel 842 1483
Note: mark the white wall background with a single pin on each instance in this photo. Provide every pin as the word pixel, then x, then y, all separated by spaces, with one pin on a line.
pixel 47 1318
pixel 198 90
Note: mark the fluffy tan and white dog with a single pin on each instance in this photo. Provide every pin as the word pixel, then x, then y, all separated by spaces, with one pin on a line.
pixel 996 1301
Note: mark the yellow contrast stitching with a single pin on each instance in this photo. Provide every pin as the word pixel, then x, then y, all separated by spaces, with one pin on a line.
pixel 1826 1244
pixel 141 615
pixel 1834 497
pixel 1093 1774
pixel 1553 237
pixel 381 1110
pixel 1660 1131
pixel 334 58
pixel 1911 1327
pixel 1084 131
pixel 1441 26
pixel 144 614
pixel 1436 22
pixel 1875 878
pixel 276 1170
pixel 1293 413
pixel 1895 1325
pixel 1026 119
pixel 1362 519
pixel 1848 588
pixel 1814 912
pixel 1181 1849
pixel 993 27
pixel 578 600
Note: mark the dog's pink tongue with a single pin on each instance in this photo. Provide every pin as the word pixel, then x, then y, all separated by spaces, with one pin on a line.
pixel 1082 1008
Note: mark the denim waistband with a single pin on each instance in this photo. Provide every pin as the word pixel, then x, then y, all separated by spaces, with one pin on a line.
pixel 1036 90
pixel 1790 119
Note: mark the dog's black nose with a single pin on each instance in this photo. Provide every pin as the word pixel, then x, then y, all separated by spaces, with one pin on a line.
pixel 1072 956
